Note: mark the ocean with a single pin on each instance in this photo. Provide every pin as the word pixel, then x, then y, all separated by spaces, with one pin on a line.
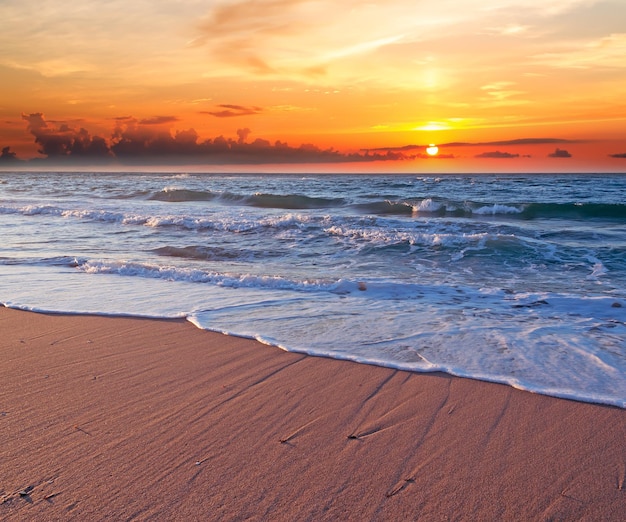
pixel 516 279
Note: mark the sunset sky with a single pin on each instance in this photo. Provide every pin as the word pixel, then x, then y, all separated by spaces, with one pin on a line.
pixel 352 76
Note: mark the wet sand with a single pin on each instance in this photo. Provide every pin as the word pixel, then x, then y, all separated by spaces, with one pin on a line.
pixel 138 419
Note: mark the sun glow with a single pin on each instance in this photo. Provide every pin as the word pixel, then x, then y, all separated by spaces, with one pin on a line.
pixel 432 149
pixel 433 126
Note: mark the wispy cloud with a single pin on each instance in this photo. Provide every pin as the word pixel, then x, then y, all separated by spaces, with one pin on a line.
pixel 231 111
pixel 500 143
pixel 501 93
pixel 608 51
pixel 497 155
pixel 159 120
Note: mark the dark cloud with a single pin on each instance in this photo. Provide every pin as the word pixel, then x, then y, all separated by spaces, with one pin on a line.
pixel 36 122
pixel 7 155
pixel 496 155
pixel 559 153
pixel 158 120
pixel 64 141
pixel 133 139
pixel 243 134
pixel 136 141
pixel 618 155
pixel 230 111
pixel 397 149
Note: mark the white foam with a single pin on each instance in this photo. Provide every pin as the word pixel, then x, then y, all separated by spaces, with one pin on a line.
pixel 172 273
pixel 495 209
pixel 427 205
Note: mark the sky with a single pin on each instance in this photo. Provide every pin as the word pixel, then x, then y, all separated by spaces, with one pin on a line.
pixel 498 85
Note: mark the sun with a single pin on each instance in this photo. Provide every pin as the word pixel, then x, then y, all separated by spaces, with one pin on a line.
pixel 432 149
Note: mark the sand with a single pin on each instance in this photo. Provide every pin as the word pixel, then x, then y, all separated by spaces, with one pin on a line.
pixel 137 419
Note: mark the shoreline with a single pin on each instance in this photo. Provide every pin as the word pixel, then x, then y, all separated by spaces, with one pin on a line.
pixel 137 418
pixel 603 401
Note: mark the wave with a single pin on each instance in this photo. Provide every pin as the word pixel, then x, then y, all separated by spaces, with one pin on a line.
pixel 260 200
pixel 191 275
pixel 237 224
pixel 205 253
pixel 196 252
pixel 378 206
pixel 376 289
pixel 496 209
pixel 174 195
pixel 293 201
pixel 94 215
pixel 58 261
pixel 413 238
pixel 442 208
pixel 426 207
pixel 367 231
pixel 525 211
pixel 386 207
pixel 575 211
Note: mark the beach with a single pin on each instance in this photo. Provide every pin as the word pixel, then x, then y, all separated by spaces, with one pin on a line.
pixel 125 418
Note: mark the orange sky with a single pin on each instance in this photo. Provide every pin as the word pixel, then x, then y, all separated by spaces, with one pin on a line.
pixel 350 75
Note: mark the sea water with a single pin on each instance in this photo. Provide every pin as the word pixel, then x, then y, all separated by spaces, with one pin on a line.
pixel 517 279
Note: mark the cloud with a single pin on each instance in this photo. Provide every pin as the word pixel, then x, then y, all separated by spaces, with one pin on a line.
pixel 607 51
pixel 145 141
pixel 231 111
pixel 135 142
pixel 251 17
pixel 62 141
pixel 502 143
pixel 258 65
pixel 159 120
pixel 301 37
pixel 499 93
pixel 559 153
pixel 522 141
pixel 133 139
pixel 243 134
pixel 381 42
pixel 496 155
pixel 507 30
pixel 7 155
pixel 618 155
